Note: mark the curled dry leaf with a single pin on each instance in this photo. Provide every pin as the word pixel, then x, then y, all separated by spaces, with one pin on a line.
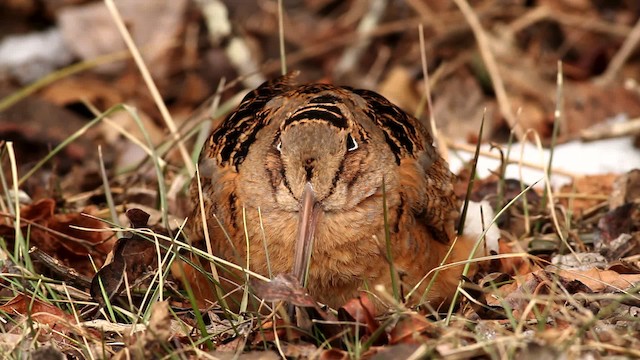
pixel 626 189
pixel 132 256
pixel 361 311
pixel 621 220
pixel 284 287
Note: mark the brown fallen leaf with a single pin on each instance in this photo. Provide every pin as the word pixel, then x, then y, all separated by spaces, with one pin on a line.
pixel 270 331
pixel 621 220
pixel 590 185
pixel 626 189
pixel 512 265
pixel 24 125
pixel 517 295
pixel 56 235
pixel 413 329
pixel 59 322
pixel 599 280
pixel 283 287
pixel 89 88
pixel 361 311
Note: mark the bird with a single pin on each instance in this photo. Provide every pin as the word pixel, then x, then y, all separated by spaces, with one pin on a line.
pixel 345 171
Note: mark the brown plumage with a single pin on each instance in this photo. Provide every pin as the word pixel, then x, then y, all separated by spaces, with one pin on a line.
pixel 343 142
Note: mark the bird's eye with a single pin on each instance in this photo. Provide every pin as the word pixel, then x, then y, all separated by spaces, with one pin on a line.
pixel 351 143
pixel 279 146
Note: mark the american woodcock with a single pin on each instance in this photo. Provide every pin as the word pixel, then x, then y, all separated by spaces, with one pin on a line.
pixel 341 153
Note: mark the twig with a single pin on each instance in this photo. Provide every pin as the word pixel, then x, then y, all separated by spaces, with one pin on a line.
pixel 68 274
pixel 283 57
pixel 611 130
pixel 470 148
pixel 630 43
pixel 441 144
pixel 541 13
pixel 492 67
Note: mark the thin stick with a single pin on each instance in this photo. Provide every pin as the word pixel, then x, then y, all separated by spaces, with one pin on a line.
pixel 283 57
pixel 471 149
pixel 492 66
pixel 439 140
pixel 20 251
pixel 611 130
pixel 630 43
pixel 107 191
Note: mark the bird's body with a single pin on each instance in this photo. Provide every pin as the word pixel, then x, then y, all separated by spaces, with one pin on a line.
pixel 342 143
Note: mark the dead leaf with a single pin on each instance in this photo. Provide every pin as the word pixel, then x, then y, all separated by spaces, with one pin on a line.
pixel 132 257
pixel 602 280
pixel 23 125
pixel 56 235
pixel 283 287
pixel 40 312
pixel 270 331
pixel 626 189
pixel 88 30
pixel 361 311
pixel 621 220
pixel 413 329
pixel 89 88
pixel 580 194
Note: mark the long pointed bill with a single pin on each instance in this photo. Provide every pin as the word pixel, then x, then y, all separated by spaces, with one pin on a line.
pixel 304 240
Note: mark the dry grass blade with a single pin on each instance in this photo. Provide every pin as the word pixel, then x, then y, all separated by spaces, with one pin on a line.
pixel 166 116
pixel 472 179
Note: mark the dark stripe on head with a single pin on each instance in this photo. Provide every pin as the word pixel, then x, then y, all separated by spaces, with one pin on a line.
pixel 327 113
pixel 325 99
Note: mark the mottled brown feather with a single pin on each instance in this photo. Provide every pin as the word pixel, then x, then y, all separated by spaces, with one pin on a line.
pixel 345 142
